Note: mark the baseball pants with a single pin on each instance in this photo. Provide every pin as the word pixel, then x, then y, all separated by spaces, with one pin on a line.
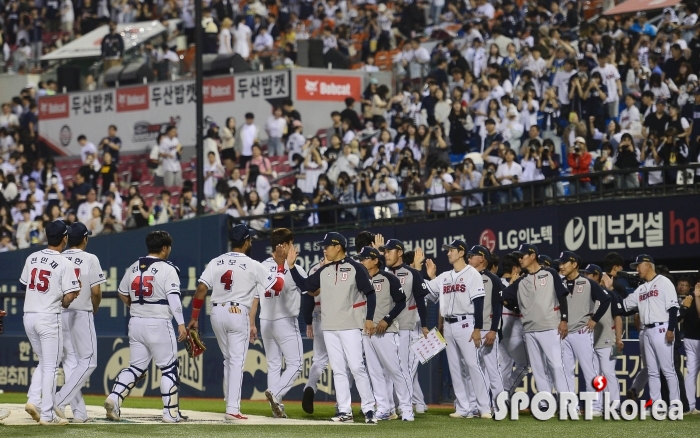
pixel 488 357
pixel 544 349
pixel 320 360
pixel 79 359
pixel 345 352
pixel 659 358
pixel 512 353
pixel 607 369
pixel 387 373
pixel 642 377
pixel 461 347
pixel 692 362
pixel 417 397
pixel 151 338
pixel 281 338
pixel 471 398
pixel 46 336
pixel 578 345
pixel 232 332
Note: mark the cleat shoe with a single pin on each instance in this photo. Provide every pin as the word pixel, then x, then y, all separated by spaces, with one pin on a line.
pixel 407 419
pixel 60 412
pixel 693 412
pixel 277 411
pixel 342 418
pixel 113 413
pixel 57 421
pixel 393 415
pixel 307 402
pixel 169 419
pixel 458 415
pixel 484 415
pixel 597 414
pixel 370 418
pixel 233 417
pixel 632 394
pixel 32 411
pixel 81 420
pixel 383 416
pixel 284 413
pixel 337 412
pixel 421 409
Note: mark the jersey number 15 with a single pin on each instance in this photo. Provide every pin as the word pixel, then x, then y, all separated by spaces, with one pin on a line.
pixel 40 280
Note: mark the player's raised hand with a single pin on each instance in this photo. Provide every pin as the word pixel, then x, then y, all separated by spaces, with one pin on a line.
pixel 687 301
pixel 696 292
pixel 607 281
pixel 563 329
pixel 292 256
pixel 418 258
pixel 309 332
pixel 181 333
pixel 431 268
pixel 378 241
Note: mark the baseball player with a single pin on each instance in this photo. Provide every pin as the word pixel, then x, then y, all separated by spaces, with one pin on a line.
pixel 413 319
pixel 348 305
pixel 539 295
pixel 511 349
pixel 579 345
pixel 382 348
pixel 4 413
pixel 234 279
pixel 461 295
pixel 479 259
pixel 608 331
pixel 279 312
pixel 312 318
pixel 415 260
pixel 79 339
pixel 657 304
pixel 151 290
pixel 690 315
pixel 50 283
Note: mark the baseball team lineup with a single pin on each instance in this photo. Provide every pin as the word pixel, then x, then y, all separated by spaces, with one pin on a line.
pixel 363 313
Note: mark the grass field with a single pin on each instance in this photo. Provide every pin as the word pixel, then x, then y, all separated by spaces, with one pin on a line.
pixel 434 424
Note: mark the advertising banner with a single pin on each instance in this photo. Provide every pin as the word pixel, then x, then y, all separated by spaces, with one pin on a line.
pixel 142 112
pixel 333 88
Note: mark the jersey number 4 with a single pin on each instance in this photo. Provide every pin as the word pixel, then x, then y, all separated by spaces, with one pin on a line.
pixel 147 287
pixel 227 281
pixel 40 280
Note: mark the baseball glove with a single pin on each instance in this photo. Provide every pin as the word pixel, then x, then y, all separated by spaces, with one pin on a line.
pixel 194 344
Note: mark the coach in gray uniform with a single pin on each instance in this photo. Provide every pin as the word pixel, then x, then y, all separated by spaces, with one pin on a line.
pixel 349 302
pixel 578 345
pixel 541 298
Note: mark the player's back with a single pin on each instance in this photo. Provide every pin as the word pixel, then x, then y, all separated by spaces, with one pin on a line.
pixel 235 277
pixel 48 276
pixel 285 303
pixel 409 316
pixel 148 281
pixel 89 272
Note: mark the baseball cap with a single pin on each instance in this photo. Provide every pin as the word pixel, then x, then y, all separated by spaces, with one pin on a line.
pixel 392 244
pixel 374 81
pixel 525 249
pixel 334 238
pixel 240 233
pixel 641 258
pixel 479 250
pixel 661 102
pixel 568 256
pixel 580 140
pixel 78 231
pixel 367 252
pixel 57 228
pixel 456 244
pixel 545 260
pixel 592 269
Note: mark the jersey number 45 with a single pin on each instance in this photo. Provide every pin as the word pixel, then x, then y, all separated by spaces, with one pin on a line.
pixel 147 287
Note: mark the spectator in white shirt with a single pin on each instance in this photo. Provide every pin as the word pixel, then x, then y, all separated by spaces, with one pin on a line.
pixel 510 172
pixel 7 118
pixel 213 172
pixel 295 141
pixel 169 149
pixel 263 41
pixel 629 118
pixel 611 79
pixel 86 148
pixel 329 40
pixel 84 212
pixel 275 130
pixel 247 136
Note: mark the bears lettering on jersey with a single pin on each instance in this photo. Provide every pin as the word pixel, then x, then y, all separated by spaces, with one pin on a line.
pixel 646 295
pixel 450 288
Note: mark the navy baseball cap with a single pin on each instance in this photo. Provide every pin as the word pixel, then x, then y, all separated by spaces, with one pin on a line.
pixel 241 233
pixel 568 256
pixel 592 269
pixel 334 238
pixel 78 231
pixel 459 245
pixel 392 244
pixel 367 252
pixel 545 260
pixel 57 228
pixel 641 258
pixel 479 250
pixel 526 249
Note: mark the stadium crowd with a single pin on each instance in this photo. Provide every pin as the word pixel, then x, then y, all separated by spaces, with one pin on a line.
pixel 521 98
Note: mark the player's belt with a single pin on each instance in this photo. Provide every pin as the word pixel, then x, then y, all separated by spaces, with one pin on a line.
pixel 453 319
pixel 654 324
pixel 356 305
pixel 232 303
pixel 161 302
pixel 413 307
pixel 512 314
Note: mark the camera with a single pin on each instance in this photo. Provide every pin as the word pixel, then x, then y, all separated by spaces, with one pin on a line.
pixel 632 279
pixel 545 149
pixel 489 171
pixel 533 149
pixel 577 149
